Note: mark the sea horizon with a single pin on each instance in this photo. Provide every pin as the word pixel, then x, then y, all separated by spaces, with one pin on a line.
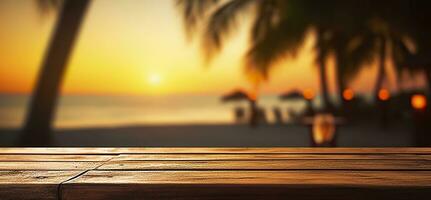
pixel 95 110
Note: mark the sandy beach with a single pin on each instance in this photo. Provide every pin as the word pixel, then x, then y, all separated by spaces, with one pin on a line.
pixel 219 136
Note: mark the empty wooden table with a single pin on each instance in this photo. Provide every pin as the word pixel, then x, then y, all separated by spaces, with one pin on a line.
pixel 215 173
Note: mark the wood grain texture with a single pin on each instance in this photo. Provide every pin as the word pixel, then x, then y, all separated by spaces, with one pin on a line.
pixel 62 150
pixel 26 185
pixel 35 177
pixel 51 157
pixel 276 150
pixel 39 165
pixel 339 178
pixel 248 185
pixel 270 165
pixel 215 157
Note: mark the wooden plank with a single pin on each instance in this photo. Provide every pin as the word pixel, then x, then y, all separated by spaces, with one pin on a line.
pixel 166 157
pixel 35 177
pixel 51 157
pixel 271 165
pixel 62 150
pixel 215 173
pixel 53 166
pixel 278 150
pixel 25 185
pixel 294 177
pixel 97 185
pixel 110 151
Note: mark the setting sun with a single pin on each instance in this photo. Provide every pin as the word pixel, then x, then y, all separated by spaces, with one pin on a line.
pixel 154 79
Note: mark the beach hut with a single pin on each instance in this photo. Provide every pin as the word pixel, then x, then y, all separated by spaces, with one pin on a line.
pixel 235 96
pixel 295 95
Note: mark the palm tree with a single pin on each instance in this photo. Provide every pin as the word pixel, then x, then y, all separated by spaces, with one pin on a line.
pixel 420 30
pixel 379 41
pixel 279 28
pixel 323 49
pixel 342 21
pixel 382 35
pixel 221 23
pixel 357 32
pixel 334 32
pixel 38 123
pixel 340 44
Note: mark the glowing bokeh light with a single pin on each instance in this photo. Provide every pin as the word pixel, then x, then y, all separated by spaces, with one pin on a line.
pixel 323 128
pixel 384 95
pixel 418 101
pixel 308 94
pixel 348 94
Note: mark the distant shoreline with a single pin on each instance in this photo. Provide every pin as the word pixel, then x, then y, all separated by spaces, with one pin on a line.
pixel 199 135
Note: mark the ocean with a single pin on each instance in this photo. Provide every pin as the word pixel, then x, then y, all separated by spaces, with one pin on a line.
pixel 106 111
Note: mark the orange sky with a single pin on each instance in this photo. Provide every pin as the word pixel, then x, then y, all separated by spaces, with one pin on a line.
pixel 136 47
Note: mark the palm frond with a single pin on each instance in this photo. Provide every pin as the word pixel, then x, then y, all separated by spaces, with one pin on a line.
pixel 400 52
pixel 221 24
pixel 268 15
pixel 193 11
pixel 365 52
pixel 46 6
pixel 279 42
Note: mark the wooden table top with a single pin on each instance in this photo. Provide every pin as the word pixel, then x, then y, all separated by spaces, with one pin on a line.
pixel 215 173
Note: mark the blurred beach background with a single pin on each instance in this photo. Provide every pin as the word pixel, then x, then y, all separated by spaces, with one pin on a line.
pixel 194 121
pixel 159 73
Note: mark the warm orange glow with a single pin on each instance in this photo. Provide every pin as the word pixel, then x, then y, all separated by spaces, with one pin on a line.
pixel 308 94
pixel 384 95
pixel 348 94
pixel 323 128
pixel 252 96
pixel 116 53
pixel 418 101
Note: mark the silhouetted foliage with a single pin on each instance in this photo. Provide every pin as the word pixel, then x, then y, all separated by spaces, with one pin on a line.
pixel 356 32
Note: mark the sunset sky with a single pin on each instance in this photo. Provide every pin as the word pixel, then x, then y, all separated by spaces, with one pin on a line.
pixel 137 47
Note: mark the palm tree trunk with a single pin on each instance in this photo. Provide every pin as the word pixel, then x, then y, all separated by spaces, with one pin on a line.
pixel 324 84
pixel 428 79
pixel 321 59
pixel 428 82
pixel 381 73
pixel 340 83
pixel 38 124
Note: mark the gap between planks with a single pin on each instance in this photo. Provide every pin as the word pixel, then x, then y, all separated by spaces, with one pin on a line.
pixel 236 150
pixel 59 187
pixel 245 157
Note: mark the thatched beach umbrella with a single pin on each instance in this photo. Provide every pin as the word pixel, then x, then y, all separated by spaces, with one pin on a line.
pixel 236 95
pixel 292 95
